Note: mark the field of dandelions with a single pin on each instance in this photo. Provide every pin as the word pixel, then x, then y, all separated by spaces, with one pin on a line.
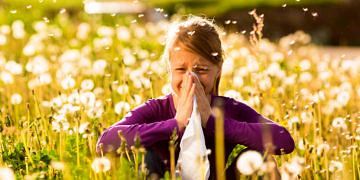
pixel 63 80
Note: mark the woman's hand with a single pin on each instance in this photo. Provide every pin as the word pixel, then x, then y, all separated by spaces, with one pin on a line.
pixel 185 101
pixel 203 102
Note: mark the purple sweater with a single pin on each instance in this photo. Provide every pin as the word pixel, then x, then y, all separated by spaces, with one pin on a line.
pixel 155 122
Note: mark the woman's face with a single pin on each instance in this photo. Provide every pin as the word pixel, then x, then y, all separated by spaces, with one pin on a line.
pixel 183 61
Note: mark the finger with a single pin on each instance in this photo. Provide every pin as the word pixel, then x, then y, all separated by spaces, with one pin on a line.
pixel 190 82
pixel 192 91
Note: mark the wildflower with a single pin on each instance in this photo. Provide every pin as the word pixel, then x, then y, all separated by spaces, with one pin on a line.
pixel 3 39
pixel 13 67
pixel 58 165
pixel 166 89
pixel 7 173
pixel 18 29
pixel 123 89
pixel 228 66
pixel 99 67
pixel 339 123
pixel 335 166
pixel 322 148
pixel 268 110
pixel 249 162
pixel 87 84
pixel 122 107
pixel 105 31
pixel 305 77
pixel 87 98
pixel 83 31
pixel 16 99
pixel 6 77
pixel 233 94
pixel 83 127
pixel 292 169
pixel 37 65
pixel 101 164
pixel 305 65
pixel 238 81
pixel 343 98
pixel 123 33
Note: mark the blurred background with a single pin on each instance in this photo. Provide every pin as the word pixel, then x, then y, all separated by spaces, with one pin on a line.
pixel 329 22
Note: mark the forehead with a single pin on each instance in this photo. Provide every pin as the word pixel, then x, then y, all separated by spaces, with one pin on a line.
pixel 178 55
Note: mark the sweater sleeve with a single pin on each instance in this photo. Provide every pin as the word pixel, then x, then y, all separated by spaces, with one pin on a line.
pixel 243 125
pixel 142 120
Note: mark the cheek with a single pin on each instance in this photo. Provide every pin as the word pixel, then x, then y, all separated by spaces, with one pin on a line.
pixel 176 82
pixel 207 82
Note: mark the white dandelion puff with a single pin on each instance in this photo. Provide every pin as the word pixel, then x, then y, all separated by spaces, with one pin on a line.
pixel 101 164
pixel 87 84
pixel 16 99
pixel 7 173
pixel 68 83
pixel 121 107
pixel 249 162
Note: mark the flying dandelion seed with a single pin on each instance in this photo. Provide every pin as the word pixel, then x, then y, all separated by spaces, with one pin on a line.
pixel 214 53
pixel 28 6
pixel 13 11
pixel 141 15
pixel 191 33
pixel 243 32
pixel 46 19
pixel 315 14
pixel 249 162
pixel 62 11
pixel 252 12
pixel 101 165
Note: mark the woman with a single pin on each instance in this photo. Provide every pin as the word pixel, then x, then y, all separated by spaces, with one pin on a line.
pixel 194 46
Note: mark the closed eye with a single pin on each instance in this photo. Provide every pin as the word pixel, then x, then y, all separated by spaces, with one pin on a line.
pixel 180 69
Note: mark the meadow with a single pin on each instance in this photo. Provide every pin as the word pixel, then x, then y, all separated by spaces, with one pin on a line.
pixel 64 79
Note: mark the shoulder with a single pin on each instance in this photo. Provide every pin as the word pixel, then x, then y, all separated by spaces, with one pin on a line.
pixel 236 108
pixel 162 101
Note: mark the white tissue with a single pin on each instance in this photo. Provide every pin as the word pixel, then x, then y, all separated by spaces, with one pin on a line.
pixel 193 159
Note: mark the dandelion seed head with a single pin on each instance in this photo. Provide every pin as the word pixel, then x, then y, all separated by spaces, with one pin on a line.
pixel 305 9
pixel 284 5
pixel 7 173
pixel 335 166
pixel 227 21
pixel 249 162
pixel 101 164
pixel 13 67
pixel 68 83
pixel 57 165
pixel 6 77
pixel 314 14
pixel 16 99
pixel 122 107
pixel 87 84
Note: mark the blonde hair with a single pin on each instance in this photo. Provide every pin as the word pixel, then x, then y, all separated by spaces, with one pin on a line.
pixel 199 35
